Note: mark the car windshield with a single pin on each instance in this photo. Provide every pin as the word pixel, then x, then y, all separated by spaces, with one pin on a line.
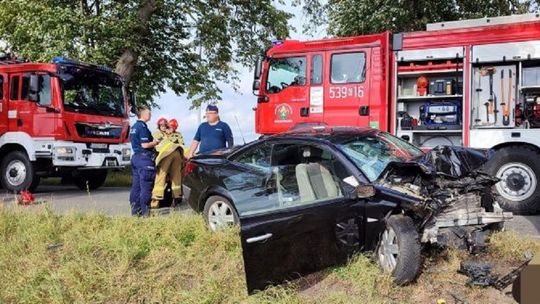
pixel 90 92
pixel 372 152
pixel 285 72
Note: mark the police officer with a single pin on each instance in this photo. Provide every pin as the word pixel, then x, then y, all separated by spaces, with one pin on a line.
pixel 142 163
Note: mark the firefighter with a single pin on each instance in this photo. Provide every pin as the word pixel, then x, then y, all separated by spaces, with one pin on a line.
pixel 169 164
pixel 142 163
pixel 161 132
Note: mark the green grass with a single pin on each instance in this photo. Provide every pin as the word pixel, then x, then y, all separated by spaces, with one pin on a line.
pixel 46 258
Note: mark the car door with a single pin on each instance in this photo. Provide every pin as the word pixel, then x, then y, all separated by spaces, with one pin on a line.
pixel 307 229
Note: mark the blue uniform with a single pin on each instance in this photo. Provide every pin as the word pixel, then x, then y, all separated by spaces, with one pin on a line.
pixel 143 169
pixel 213 137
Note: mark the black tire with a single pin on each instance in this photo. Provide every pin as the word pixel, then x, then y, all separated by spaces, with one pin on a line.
pixel 90 180
pixel 17 164
pixel 219 200
pixel 521 157
pixel 408 258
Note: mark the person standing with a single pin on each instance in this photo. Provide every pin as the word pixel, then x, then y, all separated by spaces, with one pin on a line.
pixel 169 164
pixel 211 135
pixel 161 132
pixel 142 163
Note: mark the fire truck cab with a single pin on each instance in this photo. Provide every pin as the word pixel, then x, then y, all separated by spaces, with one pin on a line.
pixel 473 83
pixel 64 119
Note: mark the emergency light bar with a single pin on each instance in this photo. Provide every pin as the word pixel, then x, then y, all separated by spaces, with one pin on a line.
pixel 276 42
pixel 63 60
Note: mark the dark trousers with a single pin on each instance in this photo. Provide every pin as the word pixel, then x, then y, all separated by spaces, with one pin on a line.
pixel 144 172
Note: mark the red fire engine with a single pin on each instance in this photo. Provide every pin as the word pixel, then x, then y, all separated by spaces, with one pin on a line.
pixel 63 118
pixel 474 83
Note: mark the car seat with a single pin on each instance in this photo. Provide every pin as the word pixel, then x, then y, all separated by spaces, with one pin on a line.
pixel 314 180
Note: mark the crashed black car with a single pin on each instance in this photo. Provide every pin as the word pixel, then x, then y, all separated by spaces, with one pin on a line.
pixel 309 198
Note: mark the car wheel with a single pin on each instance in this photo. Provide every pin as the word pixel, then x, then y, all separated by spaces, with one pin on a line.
pixel 398 250
pixel 219 213
pixel 518 167
pixel 18 172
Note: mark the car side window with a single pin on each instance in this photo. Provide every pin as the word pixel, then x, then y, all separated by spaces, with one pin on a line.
pixel 258 157
pixel 1 87
pixel 300 175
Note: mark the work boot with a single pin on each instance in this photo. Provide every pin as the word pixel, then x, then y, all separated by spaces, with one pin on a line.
pixel 176 202
pixel 154 203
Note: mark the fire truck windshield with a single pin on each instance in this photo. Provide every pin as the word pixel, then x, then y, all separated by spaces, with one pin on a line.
pixel 285 72
pixel 93 92
pixel 372 153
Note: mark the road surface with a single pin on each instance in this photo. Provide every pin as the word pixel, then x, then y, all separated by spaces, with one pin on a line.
pixel 114 202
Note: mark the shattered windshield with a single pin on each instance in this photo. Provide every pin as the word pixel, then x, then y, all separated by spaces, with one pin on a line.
pixel 372 152
pixel 90 92
pixel 285 72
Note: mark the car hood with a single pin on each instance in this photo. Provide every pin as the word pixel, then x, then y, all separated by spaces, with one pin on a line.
pixel 433 181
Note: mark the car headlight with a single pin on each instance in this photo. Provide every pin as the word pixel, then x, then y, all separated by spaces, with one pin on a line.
pixel 64 150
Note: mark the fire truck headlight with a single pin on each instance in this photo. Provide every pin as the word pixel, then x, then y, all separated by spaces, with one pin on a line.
pixel 126 154
pixel 63 151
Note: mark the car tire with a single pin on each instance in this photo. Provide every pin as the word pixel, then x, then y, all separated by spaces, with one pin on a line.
pixel 519 169
pixel 90 180
pixel 18 172
pixel 399 250
pixel 219 212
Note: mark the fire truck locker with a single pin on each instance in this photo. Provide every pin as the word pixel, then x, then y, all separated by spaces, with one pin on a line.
pixel 429 96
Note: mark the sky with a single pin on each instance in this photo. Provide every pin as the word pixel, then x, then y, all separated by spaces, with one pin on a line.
pixel 234 106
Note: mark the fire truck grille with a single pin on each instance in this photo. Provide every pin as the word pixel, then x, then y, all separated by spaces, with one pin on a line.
pixel 98 131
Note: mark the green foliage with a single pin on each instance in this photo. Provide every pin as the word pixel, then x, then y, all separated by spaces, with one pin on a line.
pixel 186 45
pixel 358 17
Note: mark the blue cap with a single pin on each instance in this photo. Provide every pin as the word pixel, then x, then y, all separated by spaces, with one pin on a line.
pixel 212 108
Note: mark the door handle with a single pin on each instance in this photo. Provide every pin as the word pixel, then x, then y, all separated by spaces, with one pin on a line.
pixel 259 238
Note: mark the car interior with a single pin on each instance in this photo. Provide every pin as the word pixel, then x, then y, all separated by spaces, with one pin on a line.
pixel 304 174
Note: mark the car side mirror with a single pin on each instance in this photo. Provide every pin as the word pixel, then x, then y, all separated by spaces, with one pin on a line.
pixel 33 88
pixel 365 191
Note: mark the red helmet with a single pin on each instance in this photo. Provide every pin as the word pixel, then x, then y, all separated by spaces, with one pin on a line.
pixel 173 124
pixel 161 120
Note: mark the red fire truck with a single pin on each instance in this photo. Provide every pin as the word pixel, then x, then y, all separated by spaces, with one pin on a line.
pixel 474 83
pixel 66 119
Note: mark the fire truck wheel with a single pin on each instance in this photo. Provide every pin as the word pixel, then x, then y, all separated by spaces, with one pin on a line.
pixel 17 172
pixel 518 167
pixel 90 180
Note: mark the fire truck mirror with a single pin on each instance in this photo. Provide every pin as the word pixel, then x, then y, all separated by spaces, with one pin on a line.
pixel 132 101
pixel 258 69
pixel 34 88
pixel 256 85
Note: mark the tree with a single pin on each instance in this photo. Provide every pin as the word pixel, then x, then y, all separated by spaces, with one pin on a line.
pixel 358 17
pixel 186 45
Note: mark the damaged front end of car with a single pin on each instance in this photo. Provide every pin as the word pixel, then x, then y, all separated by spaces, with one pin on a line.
pixel 448 196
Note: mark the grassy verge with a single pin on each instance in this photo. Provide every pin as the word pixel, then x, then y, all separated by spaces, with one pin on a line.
pixel 97 259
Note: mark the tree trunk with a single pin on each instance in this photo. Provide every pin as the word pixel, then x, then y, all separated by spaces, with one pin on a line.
pixel 129 58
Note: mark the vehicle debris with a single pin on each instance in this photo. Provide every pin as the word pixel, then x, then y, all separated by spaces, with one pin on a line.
pixel 453 198
pixel 480 273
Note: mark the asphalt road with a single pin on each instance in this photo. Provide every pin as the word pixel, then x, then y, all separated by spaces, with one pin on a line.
pixel 114 202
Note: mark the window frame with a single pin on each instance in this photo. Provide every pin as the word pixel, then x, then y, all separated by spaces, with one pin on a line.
pixel 344 53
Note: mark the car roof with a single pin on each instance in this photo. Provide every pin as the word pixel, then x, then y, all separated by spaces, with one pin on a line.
pixel 332 134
